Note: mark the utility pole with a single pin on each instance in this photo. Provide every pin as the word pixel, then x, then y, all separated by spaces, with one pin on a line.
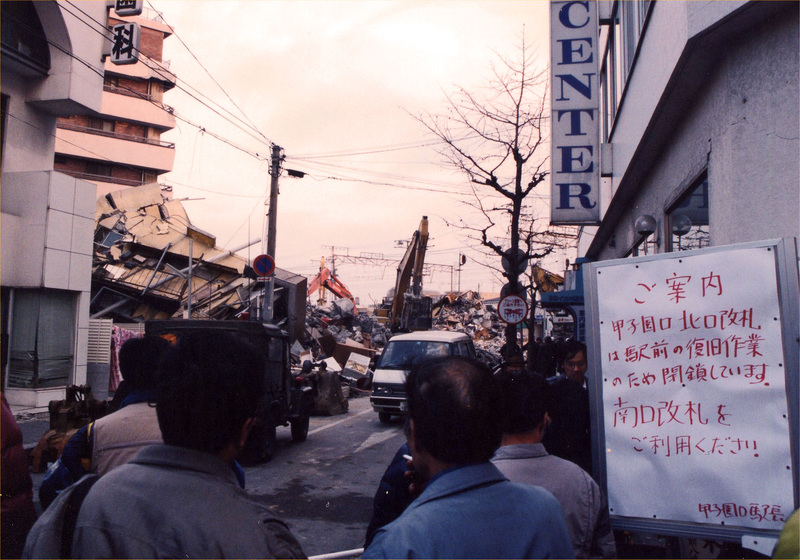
pixel 275 171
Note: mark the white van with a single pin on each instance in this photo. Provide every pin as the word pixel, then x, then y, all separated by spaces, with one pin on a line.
pixel 400 353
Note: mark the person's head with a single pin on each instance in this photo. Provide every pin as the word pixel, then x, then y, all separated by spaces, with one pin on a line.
pixel 574 360
pixel 453 410
pixel 139 359
pixel 525 401
pixel 210 386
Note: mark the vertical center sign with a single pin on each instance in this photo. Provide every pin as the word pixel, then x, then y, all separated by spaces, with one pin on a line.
pixel 695 407
pixel 575 119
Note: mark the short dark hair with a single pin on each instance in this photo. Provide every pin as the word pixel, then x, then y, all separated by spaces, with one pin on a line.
pixel 571 348
pixel 525 400
pixel 454 403
pixel 139 359
pixel 210 384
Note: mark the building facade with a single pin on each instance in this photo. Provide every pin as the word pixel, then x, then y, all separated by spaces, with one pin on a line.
pixel 699 126
pixel 120 145
pixel 51 67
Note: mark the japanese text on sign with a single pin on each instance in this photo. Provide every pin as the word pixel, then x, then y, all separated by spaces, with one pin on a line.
pixel 693 386
pixel 512 309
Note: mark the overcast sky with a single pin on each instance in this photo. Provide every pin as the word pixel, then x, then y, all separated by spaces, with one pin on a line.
pixel 334 84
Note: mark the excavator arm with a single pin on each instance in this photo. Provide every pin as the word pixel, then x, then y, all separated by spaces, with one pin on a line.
pixel 325 279
pixel 410 310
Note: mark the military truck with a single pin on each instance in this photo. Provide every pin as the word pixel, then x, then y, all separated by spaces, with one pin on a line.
pixel 288 399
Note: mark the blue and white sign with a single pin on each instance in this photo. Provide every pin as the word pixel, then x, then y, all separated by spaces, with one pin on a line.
pixel 575 82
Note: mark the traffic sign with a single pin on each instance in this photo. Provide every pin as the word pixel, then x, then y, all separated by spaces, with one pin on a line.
pixel 522 261
pixel 512 309
pixel 264 265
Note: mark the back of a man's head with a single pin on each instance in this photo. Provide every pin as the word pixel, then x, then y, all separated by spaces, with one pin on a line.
pixel 525 400
pixel 210 384
pixel 454 404
pixel 139 360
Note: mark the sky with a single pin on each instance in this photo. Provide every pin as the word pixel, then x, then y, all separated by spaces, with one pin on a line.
pixel 337 85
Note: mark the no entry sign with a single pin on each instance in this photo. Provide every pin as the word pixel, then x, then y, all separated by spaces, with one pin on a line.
pixel 512 309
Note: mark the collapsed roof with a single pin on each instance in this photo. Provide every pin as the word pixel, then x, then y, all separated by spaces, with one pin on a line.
pixel 150 262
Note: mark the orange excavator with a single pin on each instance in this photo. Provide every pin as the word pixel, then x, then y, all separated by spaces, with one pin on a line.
pixel 325 279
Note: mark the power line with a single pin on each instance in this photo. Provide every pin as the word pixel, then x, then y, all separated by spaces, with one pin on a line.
pixel 253 126
pixel 159 69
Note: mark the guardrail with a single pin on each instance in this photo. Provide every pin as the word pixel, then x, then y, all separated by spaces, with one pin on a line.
pixel 353 553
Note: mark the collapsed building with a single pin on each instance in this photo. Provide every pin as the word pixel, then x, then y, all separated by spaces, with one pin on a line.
pixel 151 262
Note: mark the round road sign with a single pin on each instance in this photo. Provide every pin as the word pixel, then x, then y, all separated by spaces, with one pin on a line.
pixel 264 265
pixel 512 309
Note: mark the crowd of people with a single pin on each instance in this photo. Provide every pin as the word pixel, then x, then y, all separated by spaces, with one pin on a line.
pixel 496 465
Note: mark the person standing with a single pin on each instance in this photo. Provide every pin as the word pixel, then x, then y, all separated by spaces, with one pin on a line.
pixel 467 508
pixel 569 434
pixel 114 439
pixel 18 512
pixel 181 499
pixel 522 458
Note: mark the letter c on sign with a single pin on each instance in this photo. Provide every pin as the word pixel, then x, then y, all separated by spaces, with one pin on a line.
pixel 566 20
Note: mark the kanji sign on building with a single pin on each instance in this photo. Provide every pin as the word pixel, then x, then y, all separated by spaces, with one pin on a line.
pixel 125 43
pixel 512 309
pixel 128 7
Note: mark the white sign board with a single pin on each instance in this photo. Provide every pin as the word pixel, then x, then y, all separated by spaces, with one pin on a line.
pixel 694 399
pixel 575 117
pixel 512 309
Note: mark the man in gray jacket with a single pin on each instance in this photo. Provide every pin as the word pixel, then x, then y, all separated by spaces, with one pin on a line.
pixel 522 458
pixel 181 499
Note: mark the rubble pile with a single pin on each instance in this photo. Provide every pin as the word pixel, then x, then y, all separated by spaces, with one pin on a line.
pixel 335 330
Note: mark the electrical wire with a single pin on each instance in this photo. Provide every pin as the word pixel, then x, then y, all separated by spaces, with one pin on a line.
pixel 160 70
pixel 172 29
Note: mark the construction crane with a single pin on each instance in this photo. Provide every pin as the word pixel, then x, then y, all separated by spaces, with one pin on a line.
pixel 325 279
pixel 407 309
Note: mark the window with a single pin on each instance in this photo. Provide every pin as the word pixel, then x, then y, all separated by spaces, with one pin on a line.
pixel 101 124
pixel 621 35
pixel 23 37
pixel 97 168
pixel 688 220
pixel 42 338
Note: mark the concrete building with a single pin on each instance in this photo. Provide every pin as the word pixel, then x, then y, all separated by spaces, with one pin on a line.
pixel 120 145
pixel 699 125
pixel 51 67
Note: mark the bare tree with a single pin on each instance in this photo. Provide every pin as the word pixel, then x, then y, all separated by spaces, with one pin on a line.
pixel 499 141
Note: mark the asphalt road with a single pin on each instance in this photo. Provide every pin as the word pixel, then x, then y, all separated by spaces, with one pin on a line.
pixel 323 487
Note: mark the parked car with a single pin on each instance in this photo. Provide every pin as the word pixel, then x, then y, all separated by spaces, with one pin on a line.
pixel 399 355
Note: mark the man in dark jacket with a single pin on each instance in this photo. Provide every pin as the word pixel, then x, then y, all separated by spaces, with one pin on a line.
pixel 568 436
pixel 181 498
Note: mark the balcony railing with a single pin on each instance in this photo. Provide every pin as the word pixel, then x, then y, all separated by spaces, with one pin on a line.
pixel 138 95
pixel 94 178
pixel 128 137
